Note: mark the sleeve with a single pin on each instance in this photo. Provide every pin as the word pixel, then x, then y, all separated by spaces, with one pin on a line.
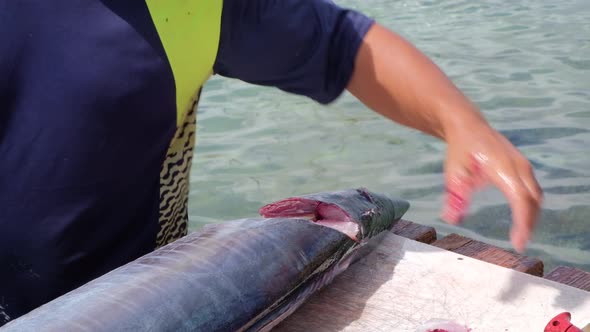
pixel 306 47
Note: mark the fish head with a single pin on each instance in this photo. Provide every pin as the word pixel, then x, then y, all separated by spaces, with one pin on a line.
pixel 358 213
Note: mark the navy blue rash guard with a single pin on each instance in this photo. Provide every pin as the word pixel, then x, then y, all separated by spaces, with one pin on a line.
pixel 87 111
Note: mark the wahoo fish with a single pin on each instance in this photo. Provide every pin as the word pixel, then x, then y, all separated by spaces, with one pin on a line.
pixel 241 275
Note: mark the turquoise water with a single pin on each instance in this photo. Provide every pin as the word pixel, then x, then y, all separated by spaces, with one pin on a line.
pixel 525 63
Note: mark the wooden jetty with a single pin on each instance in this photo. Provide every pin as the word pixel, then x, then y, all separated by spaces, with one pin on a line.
pixel 411 278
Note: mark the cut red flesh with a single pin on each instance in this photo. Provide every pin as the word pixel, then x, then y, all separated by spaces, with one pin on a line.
pixel 291 207
pixel 325 214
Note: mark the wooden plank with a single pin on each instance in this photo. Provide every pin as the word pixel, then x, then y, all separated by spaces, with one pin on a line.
pixel 402 284
pixel 491 254
pixel 570 276
pixel 414 231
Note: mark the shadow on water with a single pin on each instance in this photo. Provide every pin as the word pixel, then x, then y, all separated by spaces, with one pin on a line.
pixel 437 168
pixel 561 227
pixel 522 137
pixel 562 236
pixel 554 172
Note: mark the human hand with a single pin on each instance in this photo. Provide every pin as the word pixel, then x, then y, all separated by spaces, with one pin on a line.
pixel 395 79
pixel 478 155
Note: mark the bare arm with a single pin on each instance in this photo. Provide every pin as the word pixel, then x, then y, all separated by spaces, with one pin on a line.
pixel 396 80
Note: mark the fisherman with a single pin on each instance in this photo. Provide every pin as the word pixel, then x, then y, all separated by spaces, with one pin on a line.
pixel 97 120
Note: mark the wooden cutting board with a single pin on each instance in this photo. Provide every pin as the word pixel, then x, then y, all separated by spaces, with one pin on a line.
pixel 403 283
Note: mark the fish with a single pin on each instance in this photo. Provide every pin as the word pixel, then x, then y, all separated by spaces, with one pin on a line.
pixel 242 275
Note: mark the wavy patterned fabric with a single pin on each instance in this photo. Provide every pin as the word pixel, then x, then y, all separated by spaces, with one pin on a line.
pixel 174 180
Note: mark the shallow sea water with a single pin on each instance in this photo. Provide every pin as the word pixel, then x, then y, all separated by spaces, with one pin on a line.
pixel 525 63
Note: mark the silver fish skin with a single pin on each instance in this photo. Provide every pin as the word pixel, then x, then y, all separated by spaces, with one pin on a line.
pixel 242 275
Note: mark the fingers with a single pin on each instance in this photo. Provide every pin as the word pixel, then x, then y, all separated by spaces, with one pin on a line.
pixel 513 175
pixel 525 210
pixel 492 160
pixel 458 194
pixel 526 206
pixel 527 176
pixel 517 182
pixel 460 186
